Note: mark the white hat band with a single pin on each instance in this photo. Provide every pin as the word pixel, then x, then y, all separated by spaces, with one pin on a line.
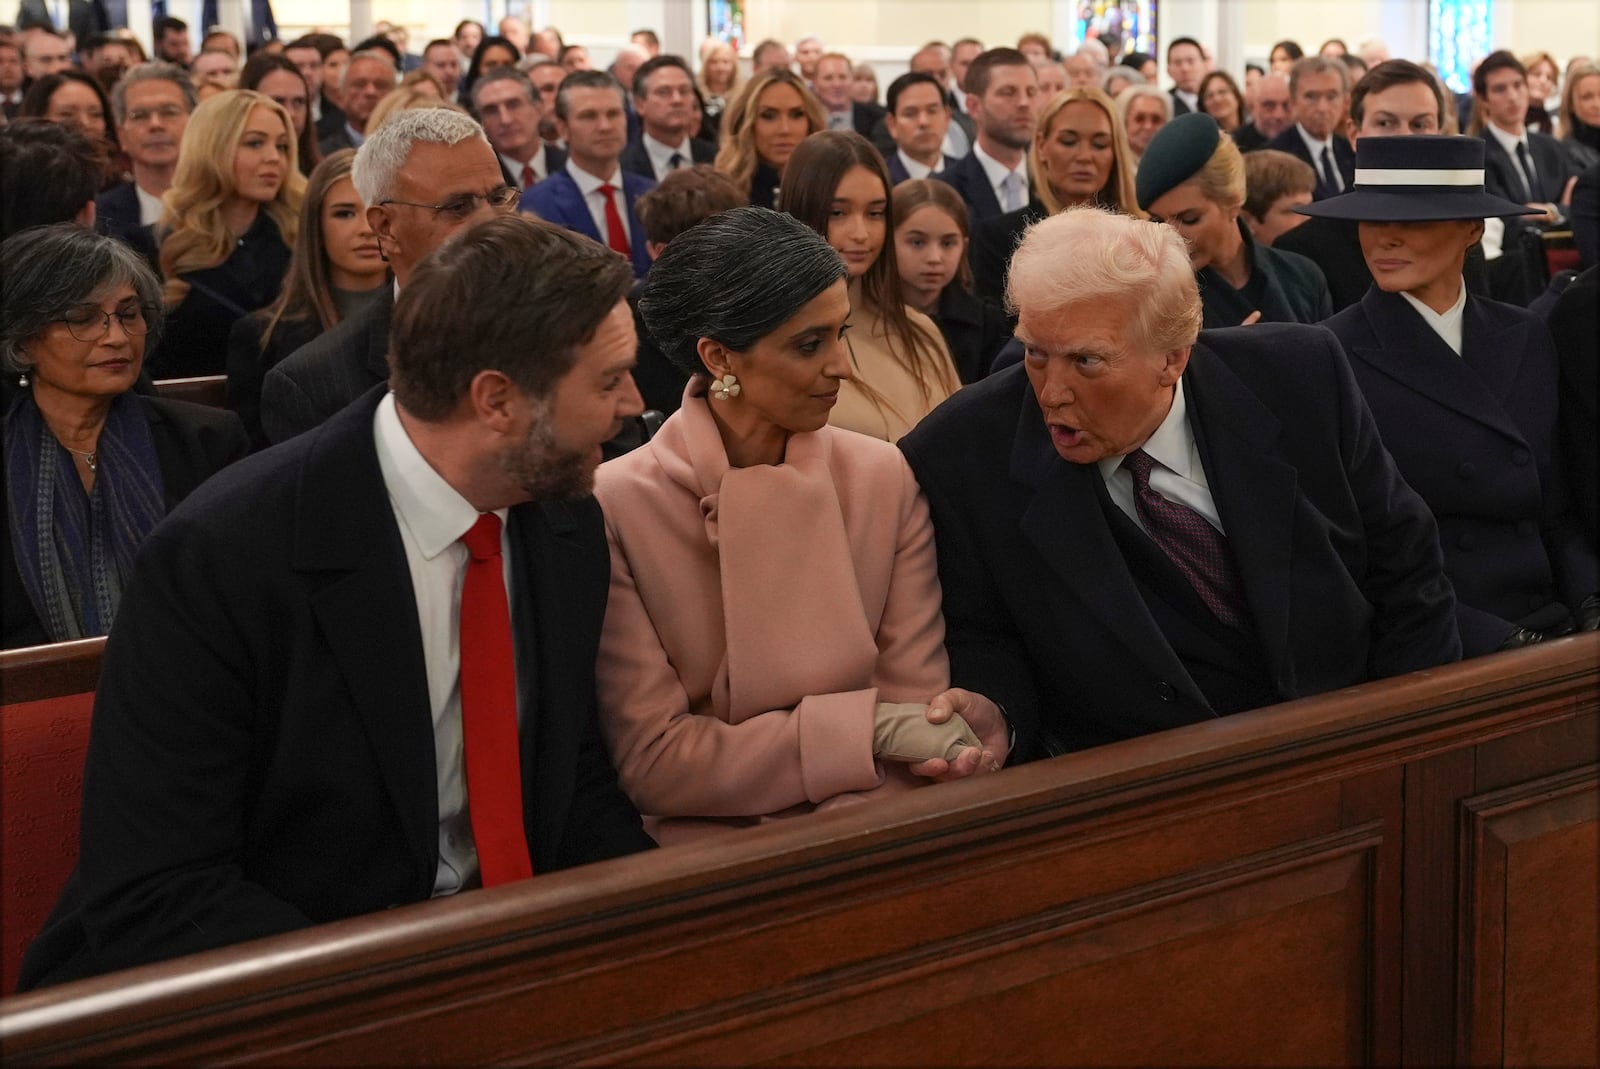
pixel 1417 177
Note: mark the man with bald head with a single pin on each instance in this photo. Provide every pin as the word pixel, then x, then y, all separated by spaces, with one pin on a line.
pixel 1270 116
pixel 1143 526
pixel 515 30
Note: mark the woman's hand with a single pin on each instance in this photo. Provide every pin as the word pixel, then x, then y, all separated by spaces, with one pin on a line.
pixel 986 721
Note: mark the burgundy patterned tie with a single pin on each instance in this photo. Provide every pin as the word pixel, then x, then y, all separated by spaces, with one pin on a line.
pixel 1197 548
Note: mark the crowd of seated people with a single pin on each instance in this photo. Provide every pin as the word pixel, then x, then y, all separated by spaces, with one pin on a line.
pixel 771 446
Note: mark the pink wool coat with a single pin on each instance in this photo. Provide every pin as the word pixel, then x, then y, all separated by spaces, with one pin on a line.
pixel 756 617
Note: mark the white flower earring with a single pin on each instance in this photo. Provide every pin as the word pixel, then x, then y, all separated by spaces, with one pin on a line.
pixel 725 387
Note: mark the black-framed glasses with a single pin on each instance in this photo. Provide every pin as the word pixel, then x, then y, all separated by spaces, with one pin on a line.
pixel 92 324
pixel 465 205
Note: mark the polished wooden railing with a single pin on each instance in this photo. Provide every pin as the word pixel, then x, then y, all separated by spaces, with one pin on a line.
pixel 1402 872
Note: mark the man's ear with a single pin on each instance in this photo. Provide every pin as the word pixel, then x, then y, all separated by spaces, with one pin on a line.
pixel 1177 360
pixel 495 400
pixel 380 223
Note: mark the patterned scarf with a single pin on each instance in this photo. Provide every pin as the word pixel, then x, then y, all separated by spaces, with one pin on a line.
pixel 75 550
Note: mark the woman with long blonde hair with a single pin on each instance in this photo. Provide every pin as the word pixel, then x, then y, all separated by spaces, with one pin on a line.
pixel 1080 156
pixel 226 228
pixel 1580 115
pixel 718 81
pixel 762 126
pixel 901 367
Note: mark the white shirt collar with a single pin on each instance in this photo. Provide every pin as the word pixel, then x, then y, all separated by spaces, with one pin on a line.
pixel 435 514
pixel 589 184
pixel 536 161
pixel 996 172
pixel 917 169
pixel 1446 324
pixel 149 206
pixel 1313 144
pixel 661 153
pixel 1170 444
pixel 1191 99
pixel 1509 142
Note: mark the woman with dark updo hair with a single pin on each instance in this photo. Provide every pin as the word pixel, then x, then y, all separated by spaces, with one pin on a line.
pixel 773 641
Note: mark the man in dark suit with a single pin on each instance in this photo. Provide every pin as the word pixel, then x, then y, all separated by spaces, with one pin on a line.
pixel 841 110
pixel 663 98
pixel 448 180
pixel 1585 216
pixel 918 118
pixel 1186 66
pixel 510 109
pixel 151 106
pixel 1269 118
pixel 1002 98
pixel 318 701
pixel 1520 164
pixel 1318 92
pixel 1574 325
pixel 371 75
pixel 592 194
pixel 11 77
pixel 83 17
pixel 1139 530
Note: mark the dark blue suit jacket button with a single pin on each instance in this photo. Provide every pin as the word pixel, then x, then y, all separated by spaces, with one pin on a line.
pixel 1165 692
pixel 1467 469
pixel 1520 457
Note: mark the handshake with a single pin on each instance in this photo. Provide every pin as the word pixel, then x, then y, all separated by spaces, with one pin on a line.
pixel 955 735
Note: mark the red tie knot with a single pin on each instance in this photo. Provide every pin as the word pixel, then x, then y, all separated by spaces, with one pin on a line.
pixel 607 188
pixel 483 540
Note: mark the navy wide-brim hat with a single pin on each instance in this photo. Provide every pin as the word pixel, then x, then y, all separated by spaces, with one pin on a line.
pixel 1418 179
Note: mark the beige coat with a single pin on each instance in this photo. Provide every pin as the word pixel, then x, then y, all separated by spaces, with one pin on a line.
pixel 756 617
pixel 874 363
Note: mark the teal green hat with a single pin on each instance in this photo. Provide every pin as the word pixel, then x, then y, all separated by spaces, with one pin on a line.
pixel 1175 154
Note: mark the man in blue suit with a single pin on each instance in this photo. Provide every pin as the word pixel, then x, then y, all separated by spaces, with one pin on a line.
pixel 592 194
pixel 919 117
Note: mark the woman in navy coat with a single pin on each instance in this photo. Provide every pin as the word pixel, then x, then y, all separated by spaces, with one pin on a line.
pixel 1465 393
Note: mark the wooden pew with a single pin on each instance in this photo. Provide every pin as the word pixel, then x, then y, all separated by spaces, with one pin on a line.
pixel 46 696
pixel 1400 872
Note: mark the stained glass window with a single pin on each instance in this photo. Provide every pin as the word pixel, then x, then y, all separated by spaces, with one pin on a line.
pixel 1458 37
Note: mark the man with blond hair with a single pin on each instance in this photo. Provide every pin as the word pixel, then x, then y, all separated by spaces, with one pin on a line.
pixel 1143 526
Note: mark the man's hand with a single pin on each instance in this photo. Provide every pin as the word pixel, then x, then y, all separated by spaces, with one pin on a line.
pixel 985 719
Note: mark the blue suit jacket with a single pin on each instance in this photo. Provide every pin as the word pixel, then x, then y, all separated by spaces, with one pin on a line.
pixel 557 200
pixel 1475 435
pixel 1339 559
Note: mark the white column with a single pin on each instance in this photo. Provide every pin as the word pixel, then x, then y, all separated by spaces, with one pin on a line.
pixel 1404 27
pixel 139 23
pixel 360 20
pixel 680 32
pixel 1064 26
pixel 1228 44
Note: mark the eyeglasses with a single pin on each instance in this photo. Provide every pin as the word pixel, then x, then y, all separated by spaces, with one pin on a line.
pixel 465 205
pixel 92 324
pixel 168 112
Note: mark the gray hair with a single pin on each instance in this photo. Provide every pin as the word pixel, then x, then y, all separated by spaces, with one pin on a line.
pixel 1090 255
pixel 51 269
pixel 734 278
pixel 154 71
pixel 1318 65
pixel 381 157
pixel 532 60
pixel 1127 74
pixel 1126 98
pixel 367 53
pixel 505 74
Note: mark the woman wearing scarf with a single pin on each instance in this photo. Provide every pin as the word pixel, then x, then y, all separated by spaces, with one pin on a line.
pixel 90 466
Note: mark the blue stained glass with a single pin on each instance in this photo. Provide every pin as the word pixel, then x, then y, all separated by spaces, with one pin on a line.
pixel 1458 37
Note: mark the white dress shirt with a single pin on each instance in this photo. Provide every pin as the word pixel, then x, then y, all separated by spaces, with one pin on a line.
pixel 1446 324
pixel 661 155
pixel 536 162
pixel 1509 142
pixel 1316 148
pixel 432 517
pixel 916 169
pixel 149 206
pixel 996 172
pixel 1178 476
pixel 1191 99
pixel 589 186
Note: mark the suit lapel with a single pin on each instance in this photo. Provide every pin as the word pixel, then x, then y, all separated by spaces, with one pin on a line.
pixel 574 208
pixel 1409 352
pixel 1255 491
pixel 981 191
pixel 345 538
pixel 1065 524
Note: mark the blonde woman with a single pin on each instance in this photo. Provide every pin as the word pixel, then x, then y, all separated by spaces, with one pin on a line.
pixel 762 127
pixel 226 228
pixel 718 81
pixel 1080 156
pixel 1543 76
pixel 1580 115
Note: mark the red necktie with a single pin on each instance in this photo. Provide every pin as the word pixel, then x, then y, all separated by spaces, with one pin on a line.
pixel 616 236
pixel 528 177
pixel 489 711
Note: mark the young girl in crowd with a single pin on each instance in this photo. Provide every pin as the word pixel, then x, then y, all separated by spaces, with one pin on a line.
pixel 229 220
pixel 335 272
pixel 761 128
pixel 930 233
pixel 902 370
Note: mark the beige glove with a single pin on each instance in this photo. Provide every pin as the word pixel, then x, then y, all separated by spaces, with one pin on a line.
pixel 901 732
